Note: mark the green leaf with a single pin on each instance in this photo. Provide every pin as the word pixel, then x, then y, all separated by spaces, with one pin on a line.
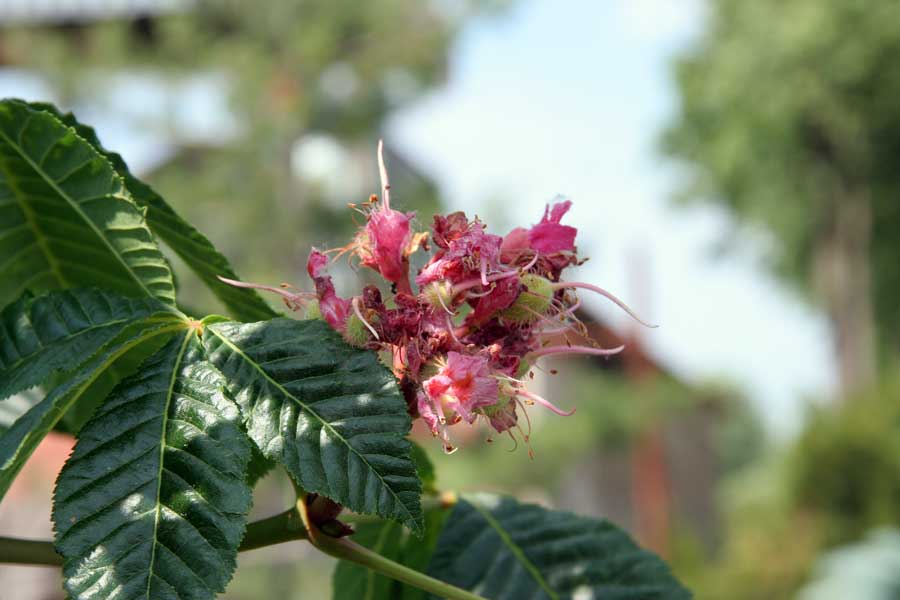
pixel 259 467
pixel 75 418
pixel 424 467
pixel 16 406
pixel 330 413
pixel 60 330
pixel 501 549
pixel 152 503
pixel 66 218
pixel 193 247
pixel 391 541
pixel 20 440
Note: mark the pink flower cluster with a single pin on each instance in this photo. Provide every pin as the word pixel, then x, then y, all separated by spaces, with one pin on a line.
pixel 484 308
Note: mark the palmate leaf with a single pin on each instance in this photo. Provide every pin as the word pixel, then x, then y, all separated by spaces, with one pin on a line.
pixel 152 503
pixel 96 393
pixel 21 439
pixel 193 247
pixel 329 412
pixel 60 330
pixel 391 541
pixel 501 549
pixel 66 217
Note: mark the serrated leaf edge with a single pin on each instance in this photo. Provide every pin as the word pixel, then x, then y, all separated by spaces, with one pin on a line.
pixel 73 395
pixel 16 145
pixel 410 518
pixel 515 549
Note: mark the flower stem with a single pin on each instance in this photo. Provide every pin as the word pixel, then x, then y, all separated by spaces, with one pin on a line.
pixel 283 527
pixel 346 549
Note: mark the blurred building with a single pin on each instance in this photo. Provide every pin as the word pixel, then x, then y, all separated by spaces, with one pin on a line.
pixel 654 471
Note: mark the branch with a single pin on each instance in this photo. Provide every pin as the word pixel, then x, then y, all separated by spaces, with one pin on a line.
pixel 283 527
pixel 28 552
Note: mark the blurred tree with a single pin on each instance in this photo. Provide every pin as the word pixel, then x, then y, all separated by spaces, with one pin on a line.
pixel 789 119
pixel 309 83
pixel 833 486
pixel 846 465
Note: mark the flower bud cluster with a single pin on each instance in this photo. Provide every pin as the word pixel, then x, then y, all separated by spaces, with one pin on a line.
pixel 463 333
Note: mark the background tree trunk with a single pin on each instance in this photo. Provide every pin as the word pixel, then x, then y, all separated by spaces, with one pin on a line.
pixel 842 276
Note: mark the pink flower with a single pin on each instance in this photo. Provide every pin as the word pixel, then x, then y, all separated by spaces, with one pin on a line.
pixel 514 244
pixel 386 243
pixel 548 236
pixel 487 310
pixel 472 253
pixel 463 384
pixel 504 293
pixel 428 413
pixel 447 229
pixel 334 309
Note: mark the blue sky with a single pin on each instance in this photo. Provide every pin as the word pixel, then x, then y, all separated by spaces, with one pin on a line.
pixel 568 97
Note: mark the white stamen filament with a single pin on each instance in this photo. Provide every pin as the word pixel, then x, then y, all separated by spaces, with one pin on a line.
pixel 505 377
pixel 541 316
pixel 545 403
pixel 479 294
pixel 555 331
pixel 465 285
pixel 574 350
pixel 440 298
pixel 382 172
pixel 532 263
pixel 295 296
pixel 355 304
pixel 450 328
pixel 605 294
pixel 573 308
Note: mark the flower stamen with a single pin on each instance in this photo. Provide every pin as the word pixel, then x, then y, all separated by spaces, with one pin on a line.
pixel 608 295
pixel 355 304
pixel 547 350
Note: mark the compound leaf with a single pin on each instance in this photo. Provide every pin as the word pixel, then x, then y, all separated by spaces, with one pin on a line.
pixel 66 217
pixel 193 247
pixel 60 330
pixel 501 549
pixel 329 412
pixel 153 501
pixel 19 441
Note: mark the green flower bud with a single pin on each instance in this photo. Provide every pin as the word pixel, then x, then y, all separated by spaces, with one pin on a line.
pixel 438 294
pixel 356 332
pixel 312 310
pixel 534 300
